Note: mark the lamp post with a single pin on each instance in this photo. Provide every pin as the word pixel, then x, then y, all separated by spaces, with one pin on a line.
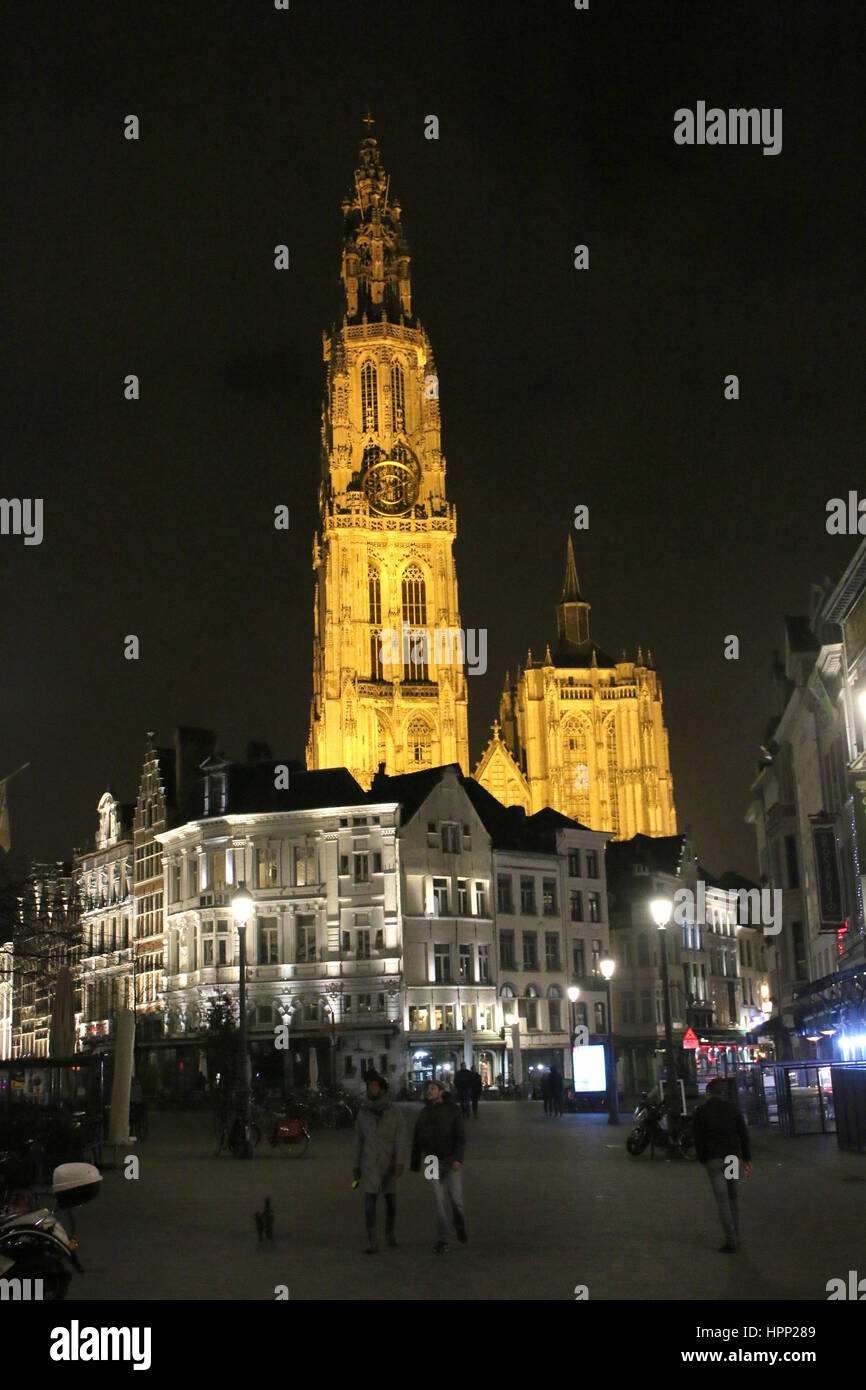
pixel 573 996
pixel 242 906
pixel 607 967
pixel 661 909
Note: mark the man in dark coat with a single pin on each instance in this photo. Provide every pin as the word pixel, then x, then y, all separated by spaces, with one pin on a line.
pixel 555 1091
pixel 722 1145
pixel 380 1157
pixel 439 1142
pixel 475 1090
pixel 463 1087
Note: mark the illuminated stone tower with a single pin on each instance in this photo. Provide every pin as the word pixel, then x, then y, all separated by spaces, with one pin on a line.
pixel 583 733
pixel 388 679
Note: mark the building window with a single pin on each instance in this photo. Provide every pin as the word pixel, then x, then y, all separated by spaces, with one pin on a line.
pixel 575 904
pixel 268 941
pixel 267 867
pixel 592 863
pixel 574 863
pixel 442 964
pixel 551 951
pixel 419 744
pixel 440 896
pixel 398 399
pixel 419 1018
pixel 450 838
pixel 369 398
pixel 305 865
pixel 530 951
pixel 627 1008
pixel 361 866
pixel 480 900
pixel 362 944
pixel 506 950
pixel 646 1006
pixel 375 599
pixel 596 956
pixel 462 898
pixel 594 906
pixel 466 965
pixel 528 1009
pixel 554 1009
pixel 527 897
pixel 483 965
pixel 548 897
pixel 415 614
pixel 578 949
pixel 600 1024
pixel 504 899
pixel 306 927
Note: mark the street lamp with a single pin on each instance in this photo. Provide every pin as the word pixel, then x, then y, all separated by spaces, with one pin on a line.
pixel 607 967
pixel 661 909
pixel 242 907
pixel 573 996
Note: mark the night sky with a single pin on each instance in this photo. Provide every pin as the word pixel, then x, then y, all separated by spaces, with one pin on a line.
pixel 557 387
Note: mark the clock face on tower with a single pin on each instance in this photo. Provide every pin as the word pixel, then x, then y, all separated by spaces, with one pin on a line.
pixel 391 486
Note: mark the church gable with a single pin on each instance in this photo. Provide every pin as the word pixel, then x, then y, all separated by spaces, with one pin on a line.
pixel 498 773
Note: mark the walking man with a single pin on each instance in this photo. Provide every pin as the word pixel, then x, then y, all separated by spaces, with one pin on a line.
pixel 555 1091
pixel 722 1145
pixel 463 1087
pixel 475 1089
pixel 546 1094
pixel 380 1157
pixel 438 1144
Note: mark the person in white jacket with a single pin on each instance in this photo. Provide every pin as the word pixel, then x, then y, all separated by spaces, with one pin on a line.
pixel 381 1150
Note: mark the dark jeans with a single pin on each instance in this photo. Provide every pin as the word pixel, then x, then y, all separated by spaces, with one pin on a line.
pixel 390 1211
pixel 475 1106
pixel 725 1193
pixel 556 1103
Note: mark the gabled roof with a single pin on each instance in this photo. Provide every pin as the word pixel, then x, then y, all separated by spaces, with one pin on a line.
pixel 660 853
pixel 251 788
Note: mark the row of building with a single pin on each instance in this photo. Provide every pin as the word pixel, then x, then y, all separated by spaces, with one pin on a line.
pixel 399 928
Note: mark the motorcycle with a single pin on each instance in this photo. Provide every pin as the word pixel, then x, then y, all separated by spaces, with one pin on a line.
pixel 655 1127
pixel 34 1246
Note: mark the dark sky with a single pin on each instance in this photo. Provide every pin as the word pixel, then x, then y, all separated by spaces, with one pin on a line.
pixel 557 387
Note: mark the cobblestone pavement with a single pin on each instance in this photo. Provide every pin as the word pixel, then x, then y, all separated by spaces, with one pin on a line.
pixel 550 1204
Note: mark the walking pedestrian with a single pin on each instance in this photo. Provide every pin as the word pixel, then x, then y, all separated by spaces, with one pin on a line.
pixel 439 1143
pixel 556 1086
pixel 475 1089
pixel 722 1145
pixel 463 1087
pixel 380 1157
pixel 546 1095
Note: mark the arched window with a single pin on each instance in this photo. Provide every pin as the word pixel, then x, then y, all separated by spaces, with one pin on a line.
pixel 575 759
pixel 419 745
pixel 398 399
pixel 375 593
pixel 612 778
pixel 372 454
pixel 369 398
pixel 415 614
pixel 507 992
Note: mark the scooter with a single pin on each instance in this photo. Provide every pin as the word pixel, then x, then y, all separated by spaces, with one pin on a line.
pixel 657 1128
pixel 35 1249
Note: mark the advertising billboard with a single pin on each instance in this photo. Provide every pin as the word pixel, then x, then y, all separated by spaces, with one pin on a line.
pixel 588 1066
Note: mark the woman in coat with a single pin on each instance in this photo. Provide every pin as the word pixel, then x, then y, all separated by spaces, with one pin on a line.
pixel 380 1156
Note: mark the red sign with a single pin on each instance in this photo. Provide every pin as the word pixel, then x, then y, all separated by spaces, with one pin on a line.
pixel 690 1039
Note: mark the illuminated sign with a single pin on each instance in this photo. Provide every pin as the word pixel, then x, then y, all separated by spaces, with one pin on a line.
pixel 590 1073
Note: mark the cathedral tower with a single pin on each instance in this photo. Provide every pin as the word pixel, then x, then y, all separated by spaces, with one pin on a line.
pixel 583 733
pixel 388 679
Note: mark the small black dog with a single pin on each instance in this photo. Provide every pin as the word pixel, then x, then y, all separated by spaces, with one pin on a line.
pixel 265 1221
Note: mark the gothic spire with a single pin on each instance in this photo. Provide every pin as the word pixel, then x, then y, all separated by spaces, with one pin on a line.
pixel 375 269
pixel 572 611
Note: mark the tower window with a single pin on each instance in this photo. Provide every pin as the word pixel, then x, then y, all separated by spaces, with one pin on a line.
pixel 612 788
pixel 420 744
pixel 375 592
pixel 398 399
pixel 415 615
pixel 370 397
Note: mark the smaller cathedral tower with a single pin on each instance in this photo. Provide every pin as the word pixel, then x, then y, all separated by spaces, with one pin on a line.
pixel 583 733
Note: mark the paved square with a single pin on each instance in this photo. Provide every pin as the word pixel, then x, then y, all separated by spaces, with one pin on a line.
pixel 550 1204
